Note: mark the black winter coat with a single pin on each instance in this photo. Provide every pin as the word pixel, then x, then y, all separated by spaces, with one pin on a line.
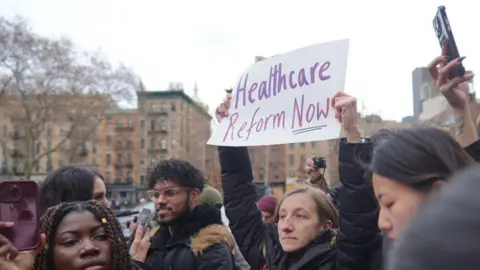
pixel 357 236
pixel 364 197
pixel 201 242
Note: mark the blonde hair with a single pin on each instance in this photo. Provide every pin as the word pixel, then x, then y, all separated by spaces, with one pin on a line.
pixel 324 205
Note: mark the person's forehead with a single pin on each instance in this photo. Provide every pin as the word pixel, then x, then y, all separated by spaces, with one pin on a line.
pixel 165 184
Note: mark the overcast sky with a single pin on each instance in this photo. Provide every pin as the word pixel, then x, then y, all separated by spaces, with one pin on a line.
pixel 213 41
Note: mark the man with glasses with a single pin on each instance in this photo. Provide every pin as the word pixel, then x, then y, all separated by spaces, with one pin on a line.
pixel 191 235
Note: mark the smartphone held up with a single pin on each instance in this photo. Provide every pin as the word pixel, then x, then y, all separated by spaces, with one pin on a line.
pixel 19 205
pixel 443 31
pixel 144 219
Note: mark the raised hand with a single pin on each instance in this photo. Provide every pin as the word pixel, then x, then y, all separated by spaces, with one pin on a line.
pixel 222 110
pixel 455 90
pixel 346 113
pixel 345 110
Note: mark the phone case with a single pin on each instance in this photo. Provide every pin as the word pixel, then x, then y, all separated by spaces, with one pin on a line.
pixel 444 34
pixel 19 204
pixel 144 219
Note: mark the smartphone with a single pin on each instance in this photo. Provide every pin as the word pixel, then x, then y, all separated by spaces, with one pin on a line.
pixel 144 219
pixel 444 34
pixel 19 203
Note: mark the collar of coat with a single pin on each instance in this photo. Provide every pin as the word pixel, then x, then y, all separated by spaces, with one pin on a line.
pixel 200 229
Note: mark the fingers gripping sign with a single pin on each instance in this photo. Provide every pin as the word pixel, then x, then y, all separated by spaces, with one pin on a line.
pixel 222 110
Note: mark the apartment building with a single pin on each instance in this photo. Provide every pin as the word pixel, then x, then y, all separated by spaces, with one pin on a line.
pixel 173 125
pixel 42 133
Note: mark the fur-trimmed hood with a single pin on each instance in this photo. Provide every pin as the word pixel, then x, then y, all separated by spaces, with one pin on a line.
pixel 209 236
pixel 201 228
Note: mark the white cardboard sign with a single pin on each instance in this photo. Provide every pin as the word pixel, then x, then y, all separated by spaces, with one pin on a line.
pixel 286 98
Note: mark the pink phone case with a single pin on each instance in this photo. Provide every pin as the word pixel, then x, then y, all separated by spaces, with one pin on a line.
pixel 19 204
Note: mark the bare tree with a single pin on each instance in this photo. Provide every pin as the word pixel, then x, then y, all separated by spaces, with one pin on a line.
pixel 55 96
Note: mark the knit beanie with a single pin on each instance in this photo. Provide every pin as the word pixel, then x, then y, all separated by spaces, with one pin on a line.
pixel 211 196
pixel 267 204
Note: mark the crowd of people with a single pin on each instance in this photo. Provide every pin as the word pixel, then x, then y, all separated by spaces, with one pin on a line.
pixel 407 200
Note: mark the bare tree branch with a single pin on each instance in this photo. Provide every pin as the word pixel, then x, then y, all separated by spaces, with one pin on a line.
pixel 55 95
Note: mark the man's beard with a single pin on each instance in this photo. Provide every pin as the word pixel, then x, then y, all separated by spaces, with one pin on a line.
pixel 173 220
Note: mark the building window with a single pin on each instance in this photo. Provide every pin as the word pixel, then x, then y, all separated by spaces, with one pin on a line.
pixel 173 124
pixel 142 180
pixel 261 174
pixel 152 124
pixel 302 145
pixel 142 143
pixel 174 144
pixel 275 172
pixel 129 123
pixel 292 145
pixel 153 107
pixel 129 157
pixel 109 140
pixel 119 158
pixel 163 124
pixel 174 108
pixel 142 124
pixel 152 143
pixel 291 159
pixel 163 107
pixel 108 159
pixel 129 144
pixel 314 144
pixel 164 144
pixel 303 160
pixel 119 123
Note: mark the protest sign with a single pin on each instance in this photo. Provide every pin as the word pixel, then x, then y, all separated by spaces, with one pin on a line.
pixel 286 98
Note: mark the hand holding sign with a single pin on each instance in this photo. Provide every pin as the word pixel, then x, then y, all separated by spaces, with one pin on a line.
pixel 285 99
pixel 222 110
pixel 346 113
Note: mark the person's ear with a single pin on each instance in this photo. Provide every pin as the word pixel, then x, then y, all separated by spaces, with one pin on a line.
pixel 195 196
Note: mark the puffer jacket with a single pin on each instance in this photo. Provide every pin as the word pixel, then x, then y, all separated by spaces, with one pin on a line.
pixel 358 234
pixel 200 242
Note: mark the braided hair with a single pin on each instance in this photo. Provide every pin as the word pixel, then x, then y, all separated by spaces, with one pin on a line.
pixel 54 215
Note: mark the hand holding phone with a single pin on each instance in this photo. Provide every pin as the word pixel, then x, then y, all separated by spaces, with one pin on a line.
pixel 444 34
pixel 19 205
pixel 144 219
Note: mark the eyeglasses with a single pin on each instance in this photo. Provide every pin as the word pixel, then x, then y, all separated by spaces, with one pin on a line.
pixel 167 194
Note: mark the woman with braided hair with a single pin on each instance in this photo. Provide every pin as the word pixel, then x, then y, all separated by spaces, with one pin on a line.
pixel 83 236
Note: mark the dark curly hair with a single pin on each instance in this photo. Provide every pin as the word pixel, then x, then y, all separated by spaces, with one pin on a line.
pixel 66 184
pixel 53 217
pixel 178 171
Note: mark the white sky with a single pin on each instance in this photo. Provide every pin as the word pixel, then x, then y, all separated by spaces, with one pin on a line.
pixel 213 41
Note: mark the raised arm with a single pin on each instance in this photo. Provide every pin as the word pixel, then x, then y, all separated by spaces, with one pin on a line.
pixel 359 237
pixel 240 199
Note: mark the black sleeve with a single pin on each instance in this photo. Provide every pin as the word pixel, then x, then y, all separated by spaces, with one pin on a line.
pixel 474 150
pixel 240 203
pixel 216 257
pixel 359 237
